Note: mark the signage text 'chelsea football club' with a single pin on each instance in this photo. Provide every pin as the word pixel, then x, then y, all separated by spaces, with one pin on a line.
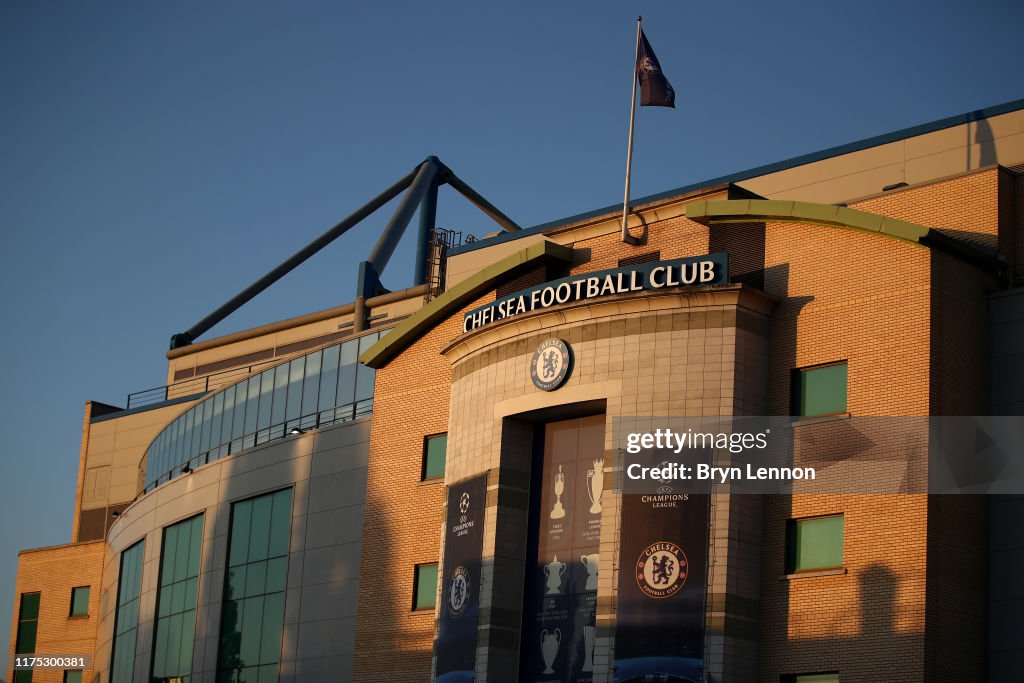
pixel 711 269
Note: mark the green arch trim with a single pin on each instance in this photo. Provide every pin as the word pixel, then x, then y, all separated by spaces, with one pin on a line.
pixel 419 323
pixel 746 210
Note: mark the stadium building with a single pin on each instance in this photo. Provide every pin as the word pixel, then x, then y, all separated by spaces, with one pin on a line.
pixel 425 484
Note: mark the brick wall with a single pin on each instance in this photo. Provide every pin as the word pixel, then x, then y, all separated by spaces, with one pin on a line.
pixel 403 515
pixel 53 572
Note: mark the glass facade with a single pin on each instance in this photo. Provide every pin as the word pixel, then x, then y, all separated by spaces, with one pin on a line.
pixel 79 601
pixel 314 390
pixel 815 543
pixel 425 586
pixel 126 619
pixel 820 391
pixel 434 449
pixel 254 590
pixel 176 599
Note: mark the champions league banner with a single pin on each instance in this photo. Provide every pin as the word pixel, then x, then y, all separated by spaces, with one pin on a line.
pixel 460 581
pixel 659 631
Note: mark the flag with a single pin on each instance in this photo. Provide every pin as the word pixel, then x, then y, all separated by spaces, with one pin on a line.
pixel 655 90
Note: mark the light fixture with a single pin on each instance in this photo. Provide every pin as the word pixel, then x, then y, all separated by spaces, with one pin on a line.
pixel 296 430
pixel 186 469
pixel 115 513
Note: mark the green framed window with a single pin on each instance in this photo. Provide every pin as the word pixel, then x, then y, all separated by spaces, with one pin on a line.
pixel 74 676
pixel 814 543
pixel 434 449
pixel 28 624
pixel 424 593
pixel 126 617
pixel 811 678
pixel 28 629
pixel 252 620
pixel 820 390
pixel 79 602
pixel 176 600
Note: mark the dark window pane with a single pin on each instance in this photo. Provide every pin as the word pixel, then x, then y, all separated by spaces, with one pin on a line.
pixel 249 652
pixel 229 413
pixel 311 384
pixel 256 579
pixel 425 588
pixel 277 574
pixel 72 677
pixel 252 406
pixel 815 543
pixel 329 377
pixel 29 607
pixel 207 423
pixel 273 620
pixel 236 582
pixel 241 392
pixel 80 601
pixel 215 424
pixel 280 398
pixel 296 370
pixel 347 375
pixel 266 399
pixel 434 455
pixel 259 534
pixel 26 641
pixel 822 391
pixel 241 518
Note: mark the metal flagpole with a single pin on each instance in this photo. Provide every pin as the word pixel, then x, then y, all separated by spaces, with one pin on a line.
pixel 626 237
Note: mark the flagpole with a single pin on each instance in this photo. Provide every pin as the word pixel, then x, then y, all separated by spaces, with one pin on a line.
pixel 626 237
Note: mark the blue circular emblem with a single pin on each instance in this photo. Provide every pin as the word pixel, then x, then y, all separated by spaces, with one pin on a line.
pixel 551 364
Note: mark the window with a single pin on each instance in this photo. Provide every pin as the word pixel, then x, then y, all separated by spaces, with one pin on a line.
pixel 73 676
pixel 424 592
pixel 814 543
pixel 434 449
pixel 176 599
pixel 820 390
pixel 811 678
pixel 28 623
pixel 254 590
pixel 80 601
pixel 126 617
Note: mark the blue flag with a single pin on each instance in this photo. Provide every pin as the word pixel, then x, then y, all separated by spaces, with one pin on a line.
pixel 655 90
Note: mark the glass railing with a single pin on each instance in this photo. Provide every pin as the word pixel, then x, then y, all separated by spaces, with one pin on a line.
pixel 314 390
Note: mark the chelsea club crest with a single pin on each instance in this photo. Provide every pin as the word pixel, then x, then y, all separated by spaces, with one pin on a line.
pixel 661 570
pixel 458 592
pixel 551 364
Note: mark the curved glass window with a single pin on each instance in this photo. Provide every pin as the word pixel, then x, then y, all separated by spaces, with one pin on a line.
pixel 318 389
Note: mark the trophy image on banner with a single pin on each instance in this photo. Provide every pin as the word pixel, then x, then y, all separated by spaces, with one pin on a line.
pixel 590 562
pixel 554 570
pixel 557 512
pixel 549 644
pixel 589 634
pixel 595 485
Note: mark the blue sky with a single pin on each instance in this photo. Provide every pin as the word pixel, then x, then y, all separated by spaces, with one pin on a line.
pixel 155 158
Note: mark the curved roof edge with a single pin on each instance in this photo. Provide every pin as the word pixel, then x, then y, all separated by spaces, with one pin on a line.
pixel 765 169
pixel 831 215
pixel 416 325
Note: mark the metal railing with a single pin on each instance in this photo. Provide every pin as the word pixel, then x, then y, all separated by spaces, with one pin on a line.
pixel 324 418
pixel 191 387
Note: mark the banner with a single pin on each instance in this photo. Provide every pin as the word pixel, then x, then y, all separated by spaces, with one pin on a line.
pixel 559 631
pixel 659 623
pixel 460 581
